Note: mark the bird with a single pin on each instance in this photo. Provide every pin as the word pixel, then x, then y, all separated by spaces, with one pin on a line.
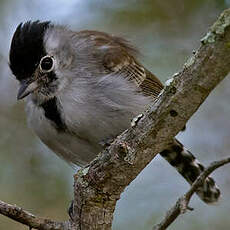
pixel 82 89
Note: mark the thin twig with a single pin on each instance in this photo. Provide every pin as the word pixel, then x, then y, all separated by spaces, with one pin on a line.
pixel 182 203
pixel 16 213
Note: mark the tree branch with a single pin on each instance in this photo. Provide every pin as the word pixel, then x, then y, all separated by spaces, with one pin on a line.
pixel 181 205
pixel 18 214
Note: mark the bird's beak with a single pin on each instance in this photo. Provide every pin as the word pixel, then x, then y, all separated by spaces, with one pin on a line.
pixel 26 87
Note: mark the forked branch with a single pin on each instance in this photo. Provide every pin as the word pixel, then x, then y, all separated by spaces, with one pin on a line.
pixel 181 205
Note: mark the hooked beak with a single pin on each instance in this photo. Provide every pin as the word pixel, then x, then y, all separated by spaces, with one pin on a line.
pixel 26 87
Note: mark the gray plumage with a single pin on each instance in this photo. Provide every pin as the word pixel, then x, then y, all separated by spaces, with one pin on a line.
pixel 95 105
pixel 90 95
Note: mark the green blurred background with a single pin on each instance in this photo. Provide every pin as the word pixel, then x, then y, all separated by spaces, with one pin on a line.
pixel 166 32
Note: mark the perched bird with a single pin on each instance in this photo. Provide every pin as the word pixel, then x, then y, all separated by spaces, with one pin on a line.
pixel 83 88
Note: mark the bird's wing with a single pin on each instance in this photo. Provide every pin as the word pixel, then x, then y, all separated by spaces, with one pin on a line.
pixel 119 57
pixel 121 62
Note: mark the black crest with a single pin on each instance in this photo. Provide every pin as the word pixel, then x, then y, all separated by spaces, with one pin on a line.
pixel 27 48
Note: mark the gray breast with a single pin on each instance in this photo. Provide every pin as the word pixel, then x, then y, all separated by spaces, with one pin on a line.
pixel 85 115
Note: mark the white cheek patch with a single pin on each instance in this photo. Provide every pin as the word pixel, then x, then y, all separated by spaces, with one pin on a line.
pixel 51 41
pixel 56 44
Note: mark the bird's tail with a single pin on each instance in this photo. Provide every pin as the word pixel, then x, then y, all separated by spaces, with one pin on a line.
pixel 190 168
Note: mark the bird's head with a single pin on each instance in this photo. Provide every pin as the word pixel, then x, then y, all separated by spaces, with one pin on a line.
pixel 35 61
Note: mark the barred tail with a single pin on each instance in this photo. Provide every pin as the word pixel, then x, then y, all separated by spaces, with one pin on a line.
pixel 190 168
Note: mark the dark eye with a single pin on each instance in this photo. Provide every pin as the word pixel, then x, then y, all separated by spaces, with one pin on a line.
pixel 46 64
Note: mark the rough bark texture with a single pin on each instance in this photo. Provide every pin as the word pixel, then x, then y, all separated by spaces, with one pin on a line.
pixel 98 186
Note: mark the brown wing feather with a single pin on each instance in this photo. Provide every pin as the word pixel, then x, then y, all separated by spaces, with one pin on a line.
pixel 121 62
pixel 120 57
pixel 151 86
